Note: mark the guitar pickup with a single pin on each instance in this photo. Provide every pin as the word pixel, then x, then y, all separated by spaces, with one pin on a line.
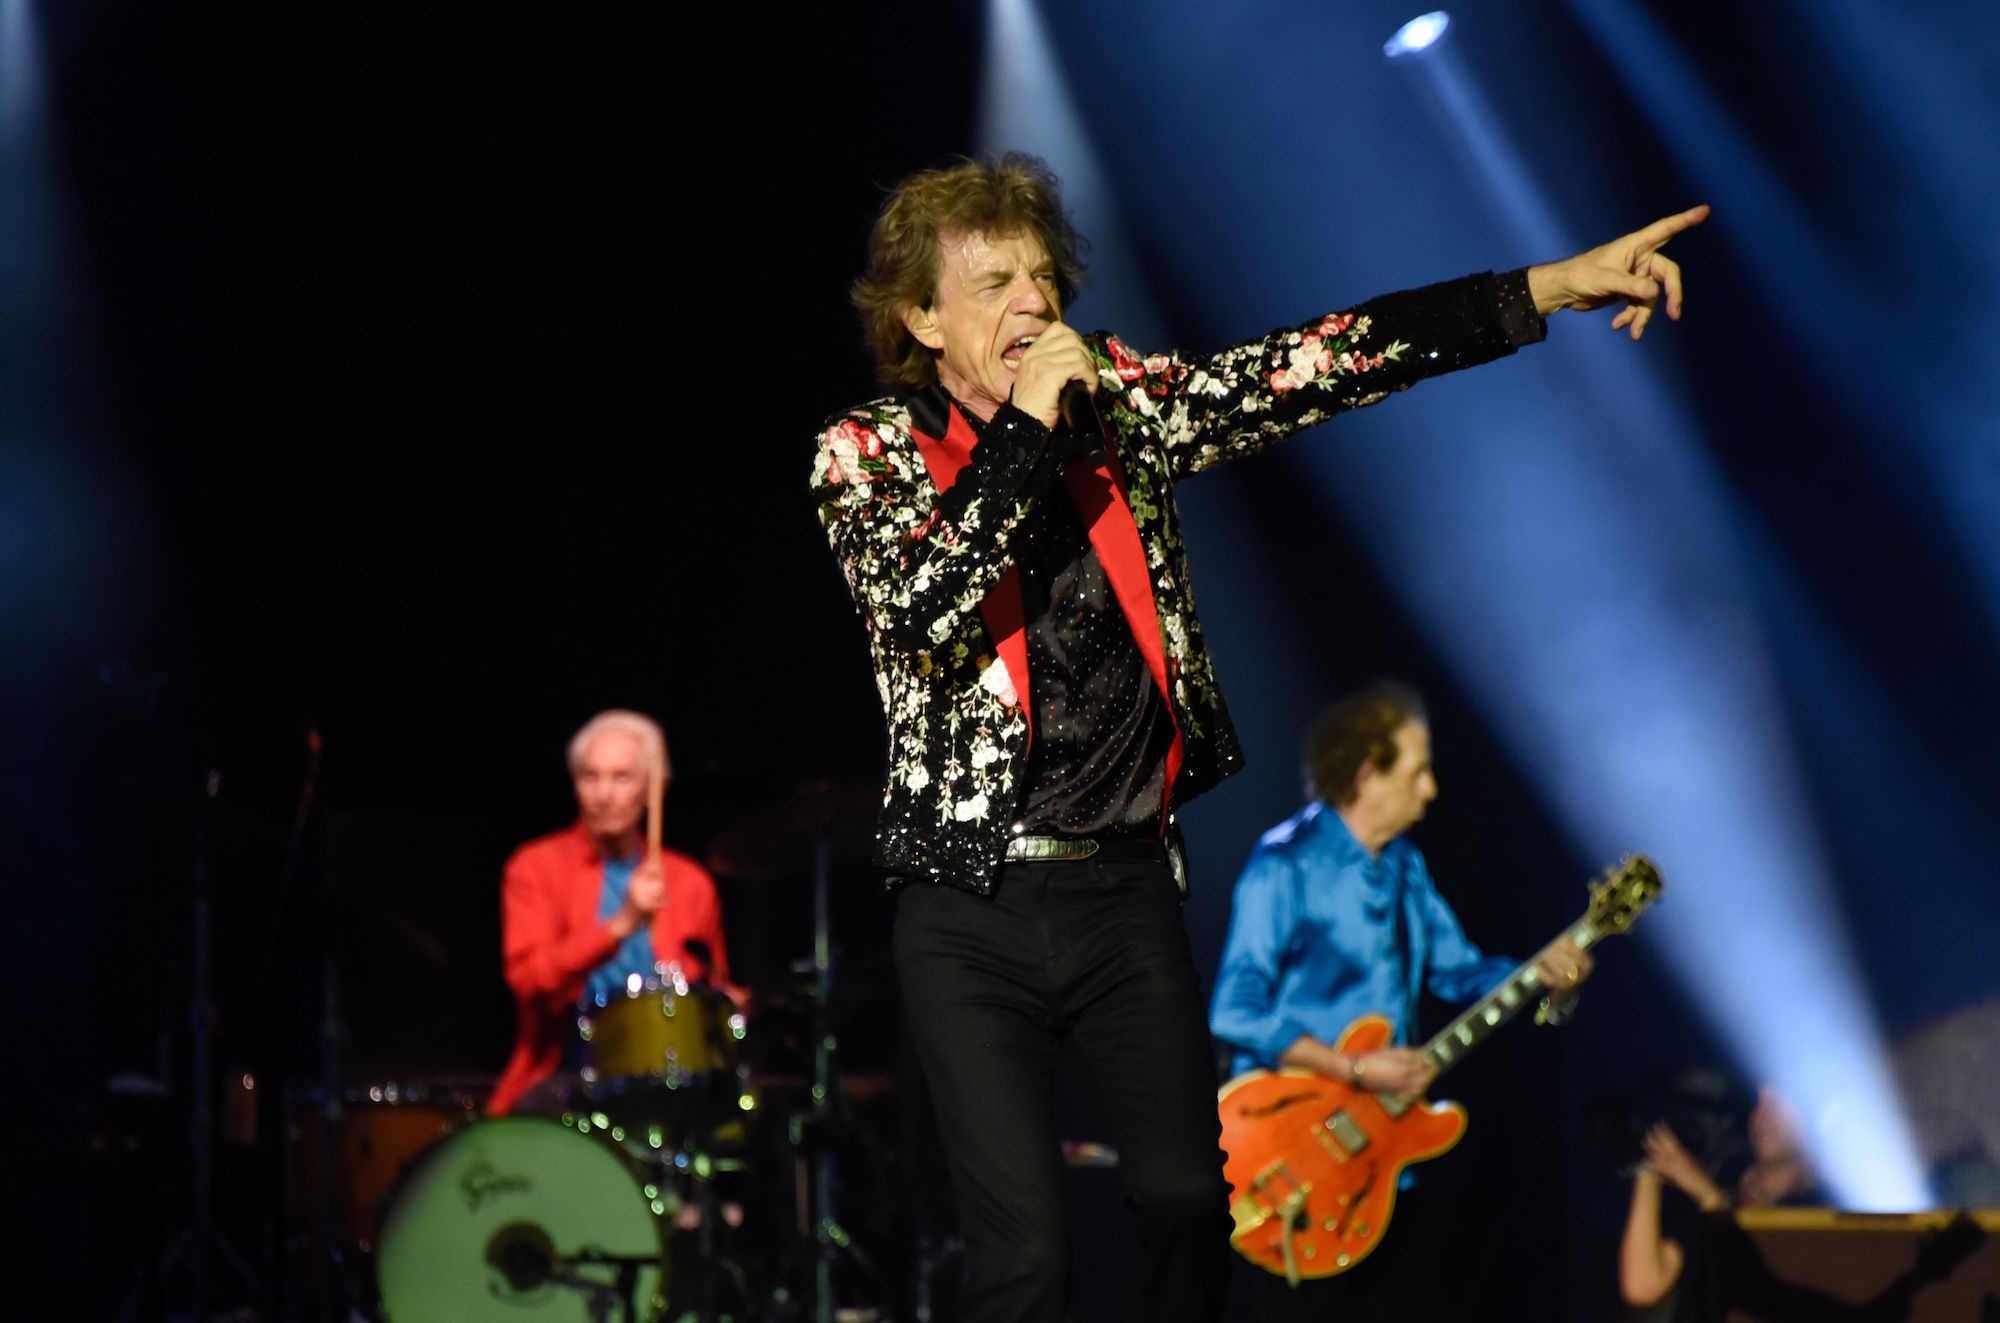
pixel 1346 1132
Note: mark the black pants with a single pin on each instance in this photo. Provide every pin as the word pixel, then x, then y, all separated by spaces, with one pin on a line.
pixel 1091 951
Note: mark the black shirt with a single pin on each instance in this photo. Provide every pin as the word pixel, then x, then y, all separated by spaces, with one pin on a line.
pixel 1097 755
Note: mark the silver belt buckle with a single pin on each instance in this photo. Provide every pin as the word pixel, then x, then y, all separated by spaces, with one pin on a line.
pixel 1027 849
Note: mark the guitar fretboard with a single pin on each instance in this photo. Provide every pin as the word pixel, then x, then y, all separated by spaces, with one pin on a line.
pixel 1521 988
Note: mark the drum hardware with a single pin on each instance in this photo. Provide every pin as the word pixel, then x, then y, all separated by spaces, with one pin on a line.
pixel 512 1215
pixel 398 1144
pixel 202 1246
pixel 375 1131
pixel 665 1056
pixel 933 1253
pixel 803 832
pixel 666 1081
pixel 523 1254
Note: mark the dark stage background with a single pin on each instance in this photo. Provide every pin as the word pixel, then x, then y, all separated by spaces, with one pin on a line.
pixel 431 382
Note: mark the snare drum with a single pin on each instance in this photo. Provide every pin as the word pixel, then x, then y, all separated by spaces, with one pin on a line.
pixel 521 1219
pixel 664 1050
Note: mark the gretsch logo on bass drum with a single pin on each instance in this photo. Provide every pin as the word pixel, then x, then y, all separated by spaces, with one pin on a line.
pixel 483 1182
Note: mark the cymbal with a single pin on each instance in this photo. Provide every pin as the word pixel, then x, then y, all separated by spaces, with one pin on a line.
pixel 779 839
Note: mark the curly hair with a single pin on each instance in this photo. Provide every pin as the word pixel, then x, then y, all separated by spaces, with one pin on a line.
pixel 1356 730
pixel 1016 194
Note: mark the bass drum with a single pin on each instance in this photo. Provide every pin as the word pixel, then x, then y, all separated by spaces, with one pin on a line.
pixel 375 1133
pixel 521 1219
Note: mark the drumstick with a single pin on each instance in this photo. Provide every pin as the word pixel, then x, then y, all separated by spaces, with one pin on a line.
pixel 656 792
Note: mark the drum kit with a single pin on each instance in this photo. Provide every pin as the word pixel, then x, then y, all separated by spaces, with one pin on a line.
pixel 653 1183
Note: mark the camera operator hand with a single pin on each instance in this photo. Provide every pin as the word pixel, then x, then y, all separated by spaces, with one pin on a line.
pixel 1667 1158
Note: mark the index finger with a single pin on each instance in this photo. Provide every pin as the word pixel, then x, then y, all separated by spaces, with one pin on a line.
pixel 1667 227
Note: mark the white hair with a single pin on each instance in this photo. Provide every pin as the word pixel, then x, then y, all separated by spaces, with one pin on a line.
pixel 652 741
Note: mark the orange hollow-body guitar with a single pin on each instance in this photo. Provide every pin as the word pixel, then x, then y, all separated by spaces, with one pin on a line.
pixel 1319 1159
pixel 1313 1163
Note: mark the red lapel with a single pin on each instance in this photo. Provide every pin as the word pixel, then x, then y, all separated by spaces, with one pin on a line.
pixel 1002 608
pixel 1101 506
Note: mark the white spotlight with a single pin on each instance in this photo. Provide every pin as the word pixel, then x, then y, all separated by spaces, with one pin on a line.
pixel 1417 35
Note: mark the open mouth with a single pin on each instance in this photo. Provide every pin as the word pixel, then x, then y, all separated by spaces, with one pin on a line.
pixel 1011 355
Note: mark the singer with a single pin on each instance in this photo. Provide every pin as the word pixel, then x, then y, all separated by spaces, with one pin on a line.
pixel 1016 558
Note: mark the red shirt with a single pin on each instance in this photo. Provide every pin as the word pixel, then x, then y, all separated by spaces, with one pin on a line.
pixel 551 938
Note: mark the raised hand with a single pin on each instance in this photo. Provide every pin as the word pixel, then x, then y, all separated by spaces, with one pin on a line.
pixel 1563 966
pixel 1666 1156
pixel 646 892
pixel 1629 270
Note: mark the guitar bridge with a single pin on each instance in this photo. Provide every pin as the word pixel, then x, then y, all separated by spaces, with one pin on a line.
pixel 1249 1212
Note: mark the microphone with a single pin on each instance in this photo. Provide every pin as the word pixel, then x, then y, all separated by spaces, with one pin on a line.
pixel 523 1254
pixel 1085 423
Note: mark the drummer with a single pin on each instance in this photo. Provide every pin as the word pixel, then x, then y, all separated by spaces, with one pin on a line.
pixel 586 908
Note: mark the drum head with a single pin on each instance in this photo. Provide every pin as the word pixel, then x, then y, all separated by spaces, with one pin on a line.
pixel 519 1218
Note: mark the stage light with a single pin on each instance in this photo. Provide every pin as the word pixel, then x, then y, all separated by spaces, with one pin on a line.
pixel 19 74
pixel 1025 105
pixel 1417 35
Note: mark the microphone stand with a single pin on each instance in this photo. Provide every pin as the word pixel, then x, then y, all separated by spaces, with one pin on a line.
pixel 830 1238
pixel 300 886
pixel 202 1240
pixel 827 1233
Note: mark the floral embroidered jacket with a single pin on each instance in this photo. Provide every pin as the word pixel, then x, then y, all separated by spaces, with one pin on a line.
pixel 922 540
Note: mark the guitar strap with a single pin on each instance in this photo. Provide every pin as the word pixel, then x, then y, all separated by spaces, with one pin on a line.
pixel 1406 1020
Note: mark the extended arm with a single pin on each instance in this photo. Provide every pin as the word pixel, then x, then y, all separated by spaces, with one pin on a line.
pixel 1244 398
pixel 1649 1263
pixel 1251 395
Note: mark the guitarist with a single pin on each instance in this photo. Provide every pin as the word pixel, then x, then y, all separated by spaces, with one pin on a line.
pixel 1336 917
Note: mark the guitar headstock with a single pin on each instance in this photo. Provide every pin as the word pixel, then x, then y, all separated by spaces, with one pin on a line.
pixel 1616 900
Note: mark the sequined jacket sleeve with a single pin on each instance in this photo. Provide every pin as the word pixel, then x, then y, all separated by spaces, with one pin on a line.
pixel 917 562
pixel 1206 409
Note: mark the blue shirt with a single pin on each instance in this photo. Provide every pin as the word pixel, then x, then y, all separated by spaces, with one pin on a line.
pixel 635 954
pixel 1322 934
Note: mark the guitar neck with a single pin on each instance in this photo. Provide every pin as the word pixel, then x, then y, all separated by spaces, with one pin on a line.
pixel 1518 989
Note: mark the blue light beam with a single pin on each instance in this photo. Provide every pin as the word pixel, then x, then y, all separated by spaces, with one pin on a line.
pixel 1593 591
pixel 1932 395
